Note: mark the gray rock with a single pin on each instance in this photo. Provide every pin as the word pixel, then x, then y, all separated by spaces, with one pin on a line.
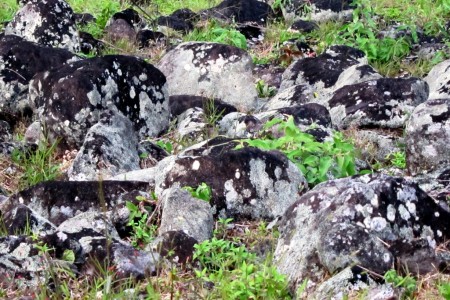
pixel 20 60
pixel 239 125
pixel 246 184
pixel 438 80
pixel 34 133
pixel 316 10
pixel 58 201
pixel 195 219
pixel 323 75
pixel 385 103
pixel 211 70
pixel 110 148
pixel 428 137
pixel 369 221
pixel 70 99
pixel 192 125
pixel 294 95
pixel 49 23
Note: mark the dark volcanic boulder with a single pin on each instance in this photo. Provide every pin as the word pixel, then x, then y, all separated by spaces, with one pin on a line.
pixel 20 60
pixel 428 137
pixel 211 70
pixel 49 23
pixel 246 184
pixel 71 98
pixel 57 201
pixel 386 102
pixel 337 67
pixel 241 11
pixel 372 221
pixel 316 10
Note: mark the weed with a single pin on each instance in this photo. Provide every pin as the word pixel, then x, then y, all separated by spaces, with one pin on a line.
pixel 214 32
pixel 407 282
pixel 167 146
pixel 397 159
pixel 7 10
pixel 235 274
pixel 142 232
pixel 444 290
pixel 221 227
pixel 37 165
pixel 264 90
pixel 212 113
pixel 317 161
pixel 203 192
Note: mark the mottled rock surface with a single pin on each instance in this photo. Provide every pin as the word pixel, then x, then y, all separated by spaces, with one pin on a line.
pixel 246 184
pixel 371 221
pixel 70 99
pixel 428 137
pixel 110 148
pixel 50 23
pixel 211 70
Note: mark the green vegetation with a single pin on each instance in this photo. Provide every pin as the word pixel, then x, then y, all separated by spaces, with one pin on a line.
pixel 237 273
pixel 142 231
pixel 37 165
pixel 397 159
pixel 203 192
pixel 215 32
pixel 317 161
pixel 7 11
pixel 264 90
pixel 408 283
pixel 444 290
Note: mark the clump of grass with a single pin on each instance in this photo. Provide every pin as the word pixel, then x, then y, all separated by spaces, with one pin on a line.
pixel 37 165
pixel 7 10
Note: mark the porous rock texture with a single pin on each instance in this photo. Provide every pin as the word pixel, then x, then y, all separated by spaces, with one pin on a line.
pixel 50 23
pixel 247 184
pixel 428 137
pixel 110 148
pixel 20 60
pixel 70 99
pixel 371 221
pixel 211 70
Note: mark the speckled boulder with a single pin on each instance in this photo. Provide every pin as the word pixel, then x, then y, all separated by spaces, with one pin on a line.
pixel 246 184
pixel 241 11
pixel 372 221
pixel 49 23
pixel 239 125
pixel 337 67
pixel 439 80
pixel 110 148
pixel 195 219
pixel 428 137
pixel 191 125
pixel 386 102
pixel 71 98
pixel 181 103
pixel 316 10
pixel 20 60
pixel 58 201
pixel 211 70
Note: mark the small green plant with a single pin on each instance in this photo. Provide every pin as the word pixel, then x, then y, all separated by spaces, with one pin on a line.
pixel 38 165
pixel 235 272
pixel 43 248
pixel 317 161
pixel 221 227
pixel 444 290
pixel 397 159
pixel 264 90
pixel 203 192
pixel 142 233
pixel 408 283
pixel 69 256
pixel 167 146
pixel 212 113
pixel 217 34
